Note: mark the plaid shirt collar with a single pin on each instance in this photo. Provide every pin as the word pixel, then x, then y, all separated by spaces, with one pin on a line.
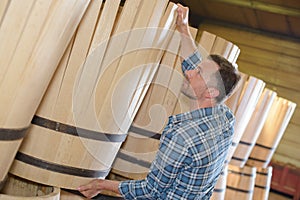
pixel 195 114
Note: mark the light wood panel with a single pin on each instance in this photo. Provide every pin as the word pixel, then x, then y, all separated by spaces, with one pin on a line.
pixel 33 37
pixel 106 61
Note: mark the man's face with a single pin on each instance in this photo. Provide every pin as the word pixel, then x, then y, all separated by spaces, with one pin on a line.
pixel 195 82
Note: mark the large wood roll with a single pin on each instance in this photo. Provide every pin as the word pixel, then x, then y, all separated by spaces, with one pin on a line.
pixel 162 100
pixel 220 188
pixel 247 102
pixel 91 101
pixel 16 188
pixel 253 128
pixel 240 182
pixel 33 37
pixel 262 183
pixel 272 132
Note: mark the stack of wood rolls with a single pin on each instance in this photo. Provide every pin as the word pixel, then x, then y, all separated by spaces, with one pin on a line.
pixel 95 92
pixel 33 35
pixel 86 89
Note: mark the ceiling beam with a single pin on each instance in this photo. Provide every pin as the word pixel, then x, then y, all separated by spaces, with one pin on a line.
pixel 268 7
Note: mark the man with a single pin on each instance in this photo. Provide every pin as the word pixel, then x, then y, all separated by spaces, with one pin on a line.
pixel 194 144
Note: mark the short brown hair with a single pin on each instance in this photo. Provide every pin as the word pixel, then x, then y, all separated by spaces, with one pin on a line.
pixel 229 77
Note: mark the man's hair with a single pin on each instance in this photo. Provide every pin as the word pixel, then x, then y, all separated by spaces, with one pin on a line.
pixel 229 77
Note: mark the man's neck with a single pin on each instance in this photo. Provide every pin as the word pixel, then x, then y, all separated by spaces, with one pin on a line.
pixel 197 104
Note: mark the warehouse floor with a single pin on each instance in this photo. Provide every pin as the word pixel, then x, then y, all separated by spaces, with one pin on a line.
pixel 278 196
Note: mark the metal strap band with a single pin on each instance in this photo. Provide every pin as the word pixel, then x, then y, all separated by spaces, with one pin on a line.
pixel 239 159
pixel 263 146
pixel 145 132
pixel 240 173
pixel 262 187
pixel 60 168
pixel 133 160
pixel 12 134
pixel 246 143
pixel 219 190
pixel 256 159
pixel 239 190
pixel 75 131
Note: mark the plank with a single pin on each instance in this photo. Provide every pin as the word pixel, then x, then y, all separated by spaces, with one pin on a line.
pixel 4 4
pixel 84 107
pixel 272 131
pixel 47 106
pixel 233 101
pixel 63 105
pixel 115 49
pixel 253 128
pixel 166 18
pixel 162 37
pixel 28 40
pixel 127 63
pixel 221 47
pixel 157 92
pixel 207 40
pixel 11 30
pixel 51 45
pixel 250 96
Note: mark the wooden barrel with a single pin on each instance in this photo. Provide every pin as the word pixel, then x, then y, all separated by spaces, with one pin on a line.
pixel 240 182
pixel 33 37
pixel 253 129
pixel 248 100
pixel 272 132
pixel 89 106
pixel 162 100
pixel 220 188
pixel 262 183
pixel 16 188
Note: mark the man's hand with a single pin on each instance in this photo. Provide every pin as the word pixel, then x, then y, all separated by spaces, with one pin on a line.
pixel 182 18
pixel 96 186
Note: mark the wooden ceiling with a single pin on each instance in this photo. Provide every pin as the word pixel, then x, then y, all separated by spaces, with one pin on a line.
pixel 273 16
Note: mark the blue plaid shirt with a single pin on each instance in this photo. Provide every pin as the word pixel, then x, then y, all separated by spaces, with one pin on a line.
pixel 191 62
pixel 192 151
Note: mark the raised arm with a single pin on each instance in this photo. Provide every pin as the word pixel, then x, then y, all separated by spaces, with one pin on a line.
pixel 188 46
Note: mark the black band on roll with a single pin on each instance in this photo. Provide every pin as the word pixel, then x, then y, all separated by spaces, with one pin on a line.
pixel 75 131
pixel 60 168
pixel 12 134
pixel 240 173
pixel 262 187
pixel 239 159
pixel 239 190
pixel 219 190
pixel 256 159
pixel 246 143
pixel 263 146
pixel 145 132
pixel 134 160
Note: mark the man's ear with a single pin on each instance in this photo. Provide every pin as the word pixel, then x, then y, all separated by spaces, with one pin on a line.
pixel 212 92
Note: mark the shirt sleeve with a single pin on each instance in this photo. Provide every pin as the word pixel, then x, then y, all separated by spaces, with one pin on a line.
pixel 191 62
pixel 171 158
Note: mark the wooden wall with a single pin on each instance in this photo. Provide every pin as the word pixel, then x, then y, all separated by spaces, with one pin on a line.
pixel 276 61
